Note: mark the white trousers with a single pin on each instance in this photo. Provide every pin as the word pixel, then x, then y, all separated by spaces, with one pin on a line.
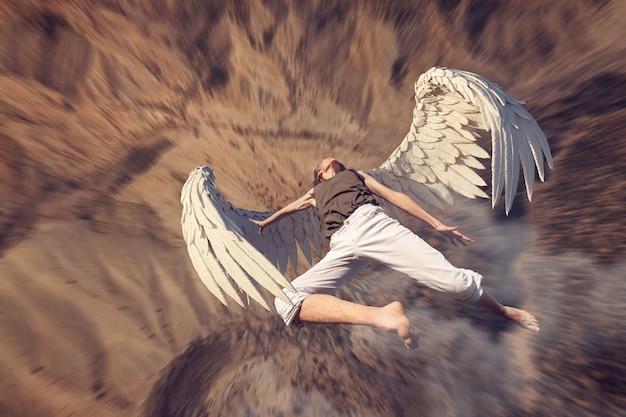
pixel 370 235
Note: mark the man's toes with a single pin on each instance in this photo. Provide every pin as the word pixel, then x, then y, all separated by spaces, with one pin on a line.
pixel 529 322
pixel 412 339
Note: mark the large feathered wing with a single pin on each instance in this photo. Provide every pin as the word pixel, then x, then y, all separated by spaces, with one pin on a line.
pixel 226 250
pixel 441 153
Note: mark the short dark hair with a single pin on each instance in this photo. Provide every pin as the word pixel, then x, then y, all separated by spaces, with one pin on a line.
pixel 316 177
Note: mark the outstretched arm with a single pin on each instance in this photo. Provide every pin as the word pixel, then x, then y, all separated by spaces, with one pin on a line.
pixel 407 204
pixel 303 203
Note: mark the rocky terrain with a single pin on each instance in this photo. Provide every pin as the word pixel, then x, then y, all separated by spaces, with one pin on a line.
pixel 105 106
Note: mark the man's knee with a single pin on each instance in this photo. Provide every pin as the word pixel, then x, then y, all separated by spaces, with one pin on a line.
pixel 466 286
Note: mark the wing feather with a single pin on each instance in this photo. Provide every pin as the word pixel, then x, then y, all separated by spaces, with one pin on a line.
pixel 219 273
pixel 205 275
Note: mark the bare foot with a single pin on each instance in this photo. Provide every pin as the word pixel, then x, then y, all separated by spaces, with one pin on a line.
pixel 523 318
pixel 392 318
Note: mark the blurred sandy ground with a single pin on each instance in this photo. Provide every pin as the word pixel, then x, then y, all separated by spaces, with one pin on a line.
pixel 106 106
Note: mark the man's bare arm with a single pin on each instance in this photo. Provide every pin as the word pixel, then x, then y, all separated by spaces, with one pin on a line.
pixel 303 203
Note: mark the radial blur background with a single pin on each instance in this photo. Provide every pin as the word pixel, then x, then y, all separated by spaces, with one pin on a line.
pixel 105 106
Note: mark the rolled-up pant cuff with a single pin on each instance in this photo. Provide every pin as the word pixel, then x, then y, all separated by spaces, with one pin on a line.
pixel 290 313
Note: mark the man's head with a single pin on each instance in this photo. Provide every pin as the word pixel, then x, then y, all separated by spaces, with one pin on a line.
pixel 327 169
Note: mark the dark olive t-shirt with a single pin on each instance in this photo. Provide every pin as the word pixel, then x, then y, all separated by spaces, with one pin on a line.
pixel 337 198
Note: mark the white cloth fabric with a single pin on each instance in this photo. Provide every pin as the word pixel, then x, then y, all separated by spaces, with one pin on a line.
pixel 370 235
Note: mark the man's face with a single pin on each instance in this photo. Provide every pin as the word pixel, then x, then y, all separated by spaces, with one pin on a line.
pixel 326 164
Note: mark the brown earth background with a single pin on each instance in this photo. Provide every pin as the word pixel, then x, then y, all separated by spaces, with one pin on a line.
pixel 105 106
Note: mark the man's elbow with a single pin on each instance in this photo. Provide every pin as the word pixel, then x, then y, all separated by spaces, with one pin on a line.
pixel 302 205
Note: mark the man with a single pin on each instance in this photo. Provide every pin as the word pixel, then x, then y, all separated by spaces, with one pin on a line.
pixel 360 231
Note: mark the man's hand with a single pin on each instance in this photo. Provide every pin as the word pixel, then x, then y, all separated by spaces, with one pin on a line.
pixel 258 223
pixel 453 234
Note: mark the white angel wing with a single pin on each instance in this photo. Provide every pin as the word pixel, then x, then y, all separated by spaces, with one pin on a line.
pixel 441 153
pixel 226 250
